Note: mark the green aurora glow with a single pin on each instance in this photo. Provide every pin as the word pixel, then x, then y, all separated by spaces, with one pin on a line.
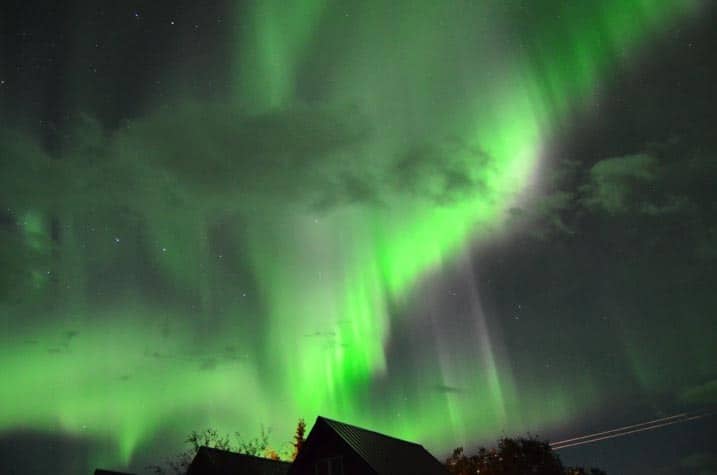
pixel 426 123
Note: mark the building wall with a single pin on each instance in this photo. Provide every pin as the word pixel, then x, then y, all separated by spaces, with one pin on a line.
pixel 324 451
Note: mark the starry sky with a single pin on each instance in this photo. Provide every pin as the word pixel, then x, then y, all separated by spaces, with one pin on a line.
pixel 446 221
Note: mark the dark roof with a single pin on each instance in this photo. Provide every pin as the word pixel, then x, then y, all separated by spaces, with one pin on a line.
pixel 386 455
pixel 99 471
pixel 210 461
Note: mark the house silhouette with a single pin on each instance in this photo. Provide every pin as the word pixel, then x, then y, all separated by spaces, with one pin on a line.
pixel 336 448
pixel 331 448
pixel 209 461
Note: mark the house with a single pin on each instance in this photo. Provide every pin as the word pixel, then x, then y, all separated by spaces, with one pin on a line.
pixel 210 461
pixel 335 448
pixel 332 448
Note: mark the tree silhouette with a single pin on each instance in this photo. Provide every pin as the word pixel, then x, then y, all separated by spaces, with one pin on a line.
pixel 178 465
pixel 584 471
pixel 520 456
pixel 298 438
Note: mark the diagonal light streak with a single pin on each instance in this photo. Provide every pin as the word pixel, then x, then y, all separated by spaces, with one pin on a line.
pixel 620 429
pixel 626 430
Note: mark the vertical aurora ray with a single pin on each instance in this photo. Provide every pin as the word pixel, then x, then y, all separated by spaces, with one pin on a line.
pixel 273 38
pixel 478 86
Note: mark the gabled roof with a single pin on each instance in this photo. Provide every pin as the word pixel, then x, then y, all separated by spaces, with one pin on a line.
pixel 384 454
pixel 210 461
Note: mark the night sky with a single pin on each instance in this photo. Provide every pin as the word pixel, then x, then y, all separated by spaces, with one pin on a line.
pixel 446 221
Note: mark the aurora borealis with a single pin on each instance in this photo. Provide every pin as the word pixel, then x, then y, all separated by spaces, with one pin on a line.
pixel 440 220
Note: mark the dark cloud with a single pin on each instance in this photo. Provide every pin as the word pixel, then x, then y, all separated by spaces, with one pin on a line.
pixel 208 364
pixel 614 184
pixel 668 179
pixel 444 173
pixel 214 151
pixel 545 215
pixel 314 156
pixel 176 157
pixel 349 188
pixel 446 389
pixel 658 192
pixel 70 334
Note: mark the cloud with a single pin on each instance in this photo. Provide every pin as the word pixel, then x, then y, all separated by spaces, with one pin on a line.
pixel 614 183
pixel 446 389
pixel 300 154
pixel 349 188
pixel 208 364
pixel 318 157
pixel 197 154
pixel 546 214
pixel 668 188
pixel 643 184
pixel 440 172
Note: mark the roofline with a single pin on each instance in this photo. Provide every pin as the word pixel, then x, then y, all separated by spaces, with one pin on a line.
pixel 373 431
pixel 206 447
